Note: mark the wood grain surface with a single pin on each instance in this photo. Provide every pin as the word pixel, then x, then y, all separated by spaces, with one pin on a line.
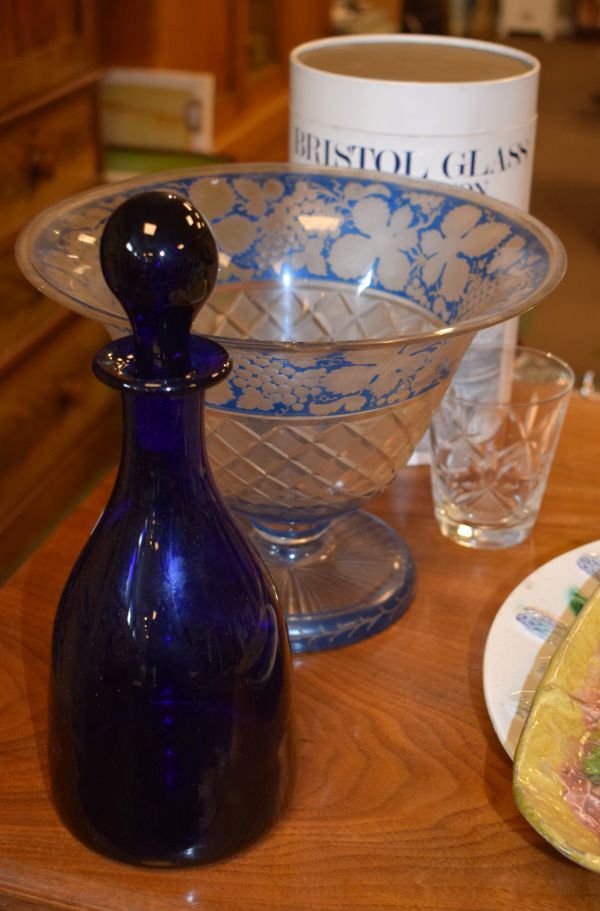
pixel 403 798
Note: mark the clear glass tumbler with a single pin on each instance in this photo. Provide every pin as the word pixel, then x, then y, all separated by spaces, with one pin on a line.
pixel 493 441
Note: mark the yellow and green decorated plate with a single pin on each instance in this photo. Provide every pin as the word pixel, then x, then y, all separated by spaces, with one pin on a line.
pixel 526 632
pixel 556 777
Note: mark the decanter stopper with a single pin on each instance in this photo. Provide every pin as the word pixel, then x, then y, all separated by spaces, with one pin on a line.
pixel 170 736
pixel 159 258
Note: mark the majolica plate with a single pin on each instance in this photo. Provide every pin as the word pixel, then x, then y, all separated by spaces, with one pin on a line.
pixel 556 775
pixel 526 632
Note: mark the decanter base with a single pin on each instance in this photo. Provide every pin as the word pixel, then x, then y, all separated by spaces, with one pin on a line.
pixel 357 583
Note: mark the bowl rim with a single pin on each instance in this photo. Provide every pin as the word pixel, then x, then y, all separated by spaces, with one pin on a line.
pixel 548 239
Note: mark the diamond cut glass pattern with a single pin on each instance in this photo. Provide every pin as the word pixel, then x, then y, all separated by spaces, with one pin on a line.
pixel 310 469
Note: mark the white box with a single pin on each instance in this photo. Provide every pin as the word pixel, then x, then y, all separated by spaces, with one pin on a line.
pixel 157 109
pixel 448 109
pixel 477 133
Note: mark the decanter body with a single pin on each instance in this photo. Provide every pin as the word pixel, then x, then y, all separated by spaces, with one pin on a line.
pixel 170 728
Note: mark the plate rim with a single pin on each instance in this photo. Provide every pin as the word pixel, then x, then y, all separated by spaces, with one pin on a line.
pixel 496 625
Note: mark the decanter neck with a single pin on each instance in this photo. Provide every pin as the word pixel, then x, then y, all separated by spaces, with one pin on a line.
pixel 163 455
pixel 157 425
pixel 163 430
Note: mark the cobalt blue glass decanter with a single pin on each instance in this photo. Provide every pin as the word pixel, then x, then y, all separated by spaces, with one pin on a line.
pixel 170 724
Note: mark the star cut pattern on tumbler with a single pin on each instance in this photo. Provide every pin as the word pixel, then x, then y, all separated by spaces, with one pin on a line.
pixel 489 480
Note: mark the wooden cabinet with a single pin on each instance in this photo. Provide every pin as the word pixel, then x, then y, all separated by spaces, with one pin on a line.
pixel 59 429
pixel 44 46
pixel 245 43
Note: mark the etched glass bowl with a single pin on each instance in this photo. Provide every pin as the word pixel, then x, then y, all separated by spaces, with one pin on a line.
pixel 346 301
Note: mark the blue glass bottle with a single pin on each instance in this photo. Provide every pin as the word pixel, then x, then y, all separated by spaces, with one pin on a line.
pixel 170 725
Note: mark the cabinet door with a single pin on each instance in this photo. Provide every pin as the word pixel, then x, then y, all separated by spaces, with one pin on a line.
pixel 237 40
pixel 43 44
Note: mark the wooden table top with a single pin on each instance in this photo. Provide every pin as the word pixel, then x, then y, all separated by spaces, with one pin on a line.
pixel 403 798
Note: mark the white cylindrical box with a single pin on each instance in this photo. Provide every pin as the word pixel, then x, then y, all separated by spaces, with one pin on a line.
pixel 430 107
pixel 439 108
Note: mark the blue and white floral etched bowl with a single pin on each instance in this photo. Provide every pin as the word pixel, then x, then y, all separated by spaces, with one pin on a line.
pixel 346 302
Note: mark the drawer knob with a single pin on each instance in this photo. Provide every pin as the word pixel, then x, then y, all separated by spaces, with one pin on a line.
pixel 70 392
pixel 40 166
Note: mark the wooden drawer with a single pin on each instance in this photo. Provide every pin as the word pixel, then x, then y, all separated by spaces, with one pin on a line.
pixel 45 45
pixel 26 316
pixel 46 156
pixel 60 429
